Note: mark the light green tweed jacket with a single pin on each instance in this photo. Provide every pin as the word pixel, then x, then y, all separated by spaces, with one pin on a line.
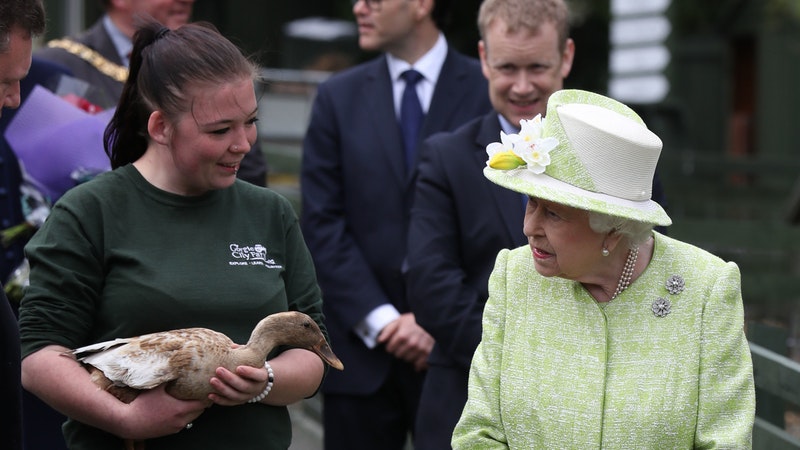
pixel 557 370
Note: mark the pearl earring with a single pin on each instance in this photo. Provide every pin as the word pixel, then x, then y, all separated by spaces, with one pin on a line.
pixel 605 252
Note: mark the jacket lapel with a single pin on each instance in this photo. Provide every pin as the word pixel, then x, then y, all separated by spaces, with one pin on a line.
pixel 445 102
pixel 447 96
pixel 508 203
pixel 377 93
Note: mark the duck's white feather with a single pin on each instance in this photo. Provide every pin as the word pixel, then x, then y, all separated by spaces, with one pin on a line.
pixel 100 346
pixel 141 371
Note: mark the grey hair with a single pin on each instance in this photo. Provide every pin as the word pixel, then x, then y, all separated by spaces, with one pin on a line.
pixel 635 232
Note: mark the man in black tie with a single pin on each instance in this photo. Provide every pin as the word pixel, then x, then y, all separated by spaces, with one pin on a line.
pixel 357 187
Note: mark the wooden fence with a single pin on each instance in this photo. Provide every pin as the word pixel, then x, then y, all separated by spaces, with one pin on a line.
pixel 776 376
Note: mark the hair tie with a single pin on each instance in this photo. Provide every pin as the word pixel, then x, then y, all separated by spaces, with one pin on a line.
pixel 161 33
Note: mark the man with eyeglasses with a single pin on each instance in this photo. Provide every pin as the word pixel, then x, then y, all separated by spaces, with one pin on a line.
pixel 373 5
pixel 357 178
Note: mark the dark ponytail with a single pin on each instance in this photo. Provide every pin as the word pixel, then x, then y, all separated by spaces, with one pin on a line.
pixel 125 139
pixel 164 66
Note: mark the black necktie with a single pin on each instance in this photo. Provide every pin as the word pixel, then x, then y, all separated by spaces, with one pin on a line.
pixel 410 114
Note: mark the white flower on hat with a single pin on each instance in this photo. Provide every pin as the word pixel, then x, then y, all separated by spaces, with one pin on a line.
pixel 501 154
pixel 534 149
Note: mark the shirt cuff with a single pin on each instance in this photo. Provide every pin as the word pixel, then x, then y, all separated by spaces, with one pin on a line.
pixel 369 328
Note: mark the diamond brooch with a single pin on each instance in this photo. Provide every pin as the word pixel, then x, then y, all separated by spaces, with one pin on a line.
pixel 675 284
pixel 661 306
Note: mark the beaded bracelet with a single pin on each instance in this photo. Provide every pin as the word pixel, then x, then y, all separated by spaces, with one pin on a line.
pixel 270 381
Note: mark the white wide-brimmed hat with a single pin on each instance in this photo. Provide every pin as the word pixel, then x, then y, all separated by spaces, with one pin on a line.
pixel 590 152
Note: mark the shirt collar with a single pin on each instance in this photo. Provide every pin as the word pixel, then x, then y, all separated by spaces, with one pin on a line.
pixel 430 65
pixel 122 43
pixel 506 126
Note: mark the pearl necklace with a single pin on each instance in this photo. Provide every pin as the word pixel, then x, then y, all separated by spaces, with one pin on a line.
pixel 627 272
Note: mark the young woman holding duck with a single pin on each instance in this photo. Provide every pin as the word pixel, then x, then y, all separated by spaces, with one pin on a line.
pixel 171 239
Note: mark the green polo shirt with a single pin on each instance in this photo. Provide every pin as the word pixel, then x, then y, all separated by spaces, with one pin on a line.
pixel 118 257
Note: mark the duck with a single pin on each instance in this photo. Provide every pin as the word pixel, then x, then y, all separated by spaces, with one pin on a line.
pixel 186 359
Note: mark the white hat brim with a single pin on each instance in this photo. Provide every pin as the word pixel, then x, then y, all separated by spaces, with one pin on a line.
pixel 548 188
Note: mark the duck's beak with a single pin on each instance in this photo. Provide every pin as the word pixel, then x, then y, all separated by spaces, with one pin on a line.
pixel 324 351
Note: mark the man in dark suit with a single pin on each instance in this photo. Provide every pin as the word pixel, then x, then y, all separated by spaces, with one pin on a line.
pixel 460 220
pixel 357 186
pixel 20 22
pixel 99 56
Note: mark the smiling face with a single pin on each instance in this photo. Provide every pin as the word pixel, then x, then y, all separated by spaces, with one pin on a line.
pixel 204 146
pixel 523 68
pixel 14 65
pixel 562 242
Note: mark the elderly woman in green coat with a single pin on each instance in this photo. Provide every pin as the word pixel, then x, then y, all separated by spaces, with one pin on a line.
pixel 603 333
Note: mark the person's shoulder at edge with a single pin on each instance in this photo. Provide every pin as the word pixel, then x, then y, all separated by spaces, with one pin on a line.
pixel 676 249
pixel 61 54
pixel 259 193
pixel 444 136
pixel 471 60
pixel 113 180
pixel 441 141
pixel 365 67
pixel 349 74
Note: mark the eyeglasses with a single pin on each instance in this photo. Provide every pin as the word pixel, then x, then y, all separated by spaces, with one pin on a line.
pixel 373 5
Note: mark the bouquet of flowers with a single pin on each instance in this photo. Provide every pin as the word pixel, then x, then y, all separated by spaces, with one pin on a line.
pixel 35 208
pixel 58 140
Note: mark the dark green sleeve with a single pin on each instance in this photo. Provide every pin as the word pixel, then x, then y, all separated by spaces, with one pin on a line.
pixel 302 290
pixel 65 281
